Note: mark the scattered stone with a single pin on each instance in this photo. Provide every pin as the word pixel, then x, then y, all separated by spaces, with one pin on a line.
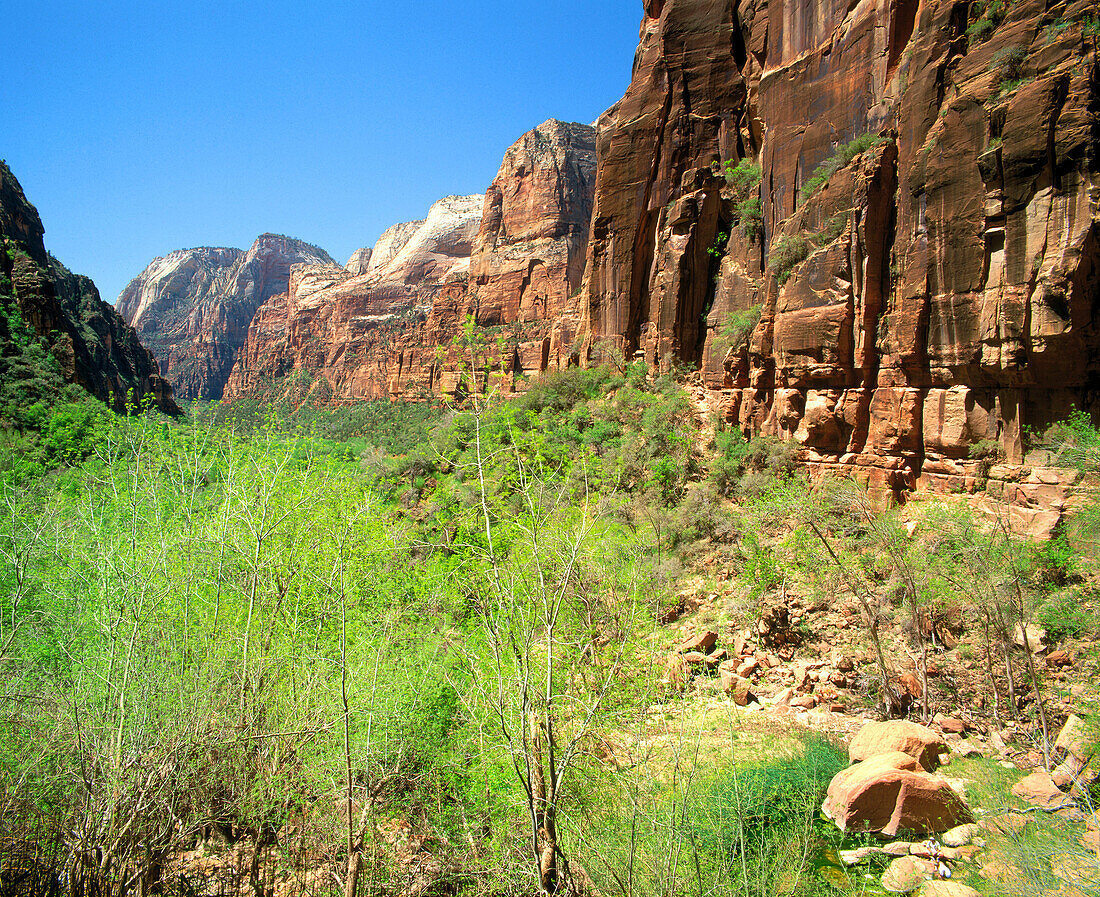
pixel 1068 771
pixel 857 856
pixel 804 702
pixel 1074 739
pixel 952 724
pixel 906 874
pixel 898 849
pixel 703 642
pixel 1090 840
pixel 919 742
pixel 1059 658
pixel 890 793
pixel 1039 790
pixel 739 689
pixel 960 835
pixel 695 658
pixel 748 667
pixel 1035 637
pixel 909 686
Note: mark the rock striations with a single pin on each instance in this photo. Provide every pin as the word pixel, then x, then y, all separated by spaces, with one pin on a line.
pixel 920 243
pixel 92 345
pixel 193 307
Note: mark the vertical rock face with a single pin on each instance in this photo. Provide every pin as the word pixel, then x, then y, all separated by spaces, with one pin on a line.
pixel 530 249
pixel 193 307
pixel 686 107
pixel 512 259
pixel 91 343
pixel 920 243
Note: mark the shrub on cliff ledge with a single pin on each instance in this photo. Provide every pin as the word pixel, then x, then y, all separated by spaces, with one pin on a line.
pixel 841 157
pixel 786 252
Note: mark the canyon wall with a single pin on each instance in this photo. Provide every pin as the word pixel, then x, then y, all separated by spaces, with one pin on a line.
pixel 193 307
pixel 91 345
pixel 870 228
pixel 391 322
pixel 919 243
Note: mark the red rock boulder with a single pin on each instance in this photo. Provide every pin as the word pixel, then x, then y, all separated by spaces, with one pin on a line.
pixel 918 742
pixel 891 792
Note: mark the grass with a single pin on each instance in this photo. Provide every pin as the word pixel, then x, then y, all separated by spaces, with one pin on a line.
pixel 1042 855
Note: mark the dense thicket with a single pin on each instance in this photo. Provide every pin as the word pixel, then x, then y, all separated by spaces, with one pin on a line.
pixel 292 641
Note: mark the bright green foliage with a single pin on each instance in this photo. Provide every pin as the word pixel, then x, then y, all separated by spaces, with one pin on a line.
pixel 840 158
pixel 758 821
pixel 786 253
pixel 985 16
pixel 744 180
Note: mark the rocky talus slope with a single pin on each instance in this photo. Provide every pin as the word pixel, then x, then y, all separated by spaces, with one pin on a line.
pixel 389 322
pixel 920 241
pixel 193 307
pixel 90 342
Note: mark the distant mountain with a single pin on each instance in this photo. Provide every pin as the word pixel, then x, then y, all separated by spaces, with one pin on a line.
pixel 193 307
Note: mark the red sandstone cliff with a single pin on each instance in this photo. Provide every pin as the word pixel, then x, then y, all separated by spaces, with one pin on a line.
pixel 193 307
pixel 387 324
pixel 933 291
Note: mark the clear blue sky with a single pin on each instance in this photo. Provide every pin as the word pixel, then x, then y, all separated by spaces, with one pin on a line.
pixel 137 128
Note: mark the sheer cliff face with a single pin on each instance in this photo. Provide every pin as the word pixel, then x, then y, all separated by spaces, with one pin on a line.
pixel 193 307
pixel 92 344
pixel 933 290
pixel 386 324
pixel 530 249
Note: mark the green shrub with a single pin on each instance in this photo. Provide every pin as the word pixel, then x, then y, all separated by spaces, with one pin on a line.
pixel 1068 613
pixel 750 216
pixel 738 327
pixel 757 821
pixel 786 253
pixel 985 16
pixel 728 463
pixel 840 158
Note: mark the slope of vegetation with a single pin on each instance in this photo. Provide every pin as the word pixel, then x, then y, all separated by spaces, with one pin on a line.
pixel 389 649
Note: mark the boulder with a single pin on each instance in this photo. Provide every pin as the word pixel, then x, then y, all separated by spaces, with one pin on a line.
pixel 703 642
pixel 892 792
pixel 906 874
pixel 960 835
pixel 946 889
pixel 1074 739
pixel 1035 636
pixel 919 742
pixel 738 688
pixel 1039 790
pixel 952 724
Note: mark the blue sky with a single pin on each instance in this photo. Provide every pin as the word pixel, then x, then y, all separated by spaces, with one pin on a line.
pixel 137 128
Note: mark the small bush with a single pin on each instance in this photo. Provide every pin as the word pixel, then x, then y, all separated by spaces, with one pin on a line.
pixel 737 329
pixel 786 252
pixel 1008 63
pixel 840 158
pixel 985 16
pixel 1068 614
pixel 759 820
